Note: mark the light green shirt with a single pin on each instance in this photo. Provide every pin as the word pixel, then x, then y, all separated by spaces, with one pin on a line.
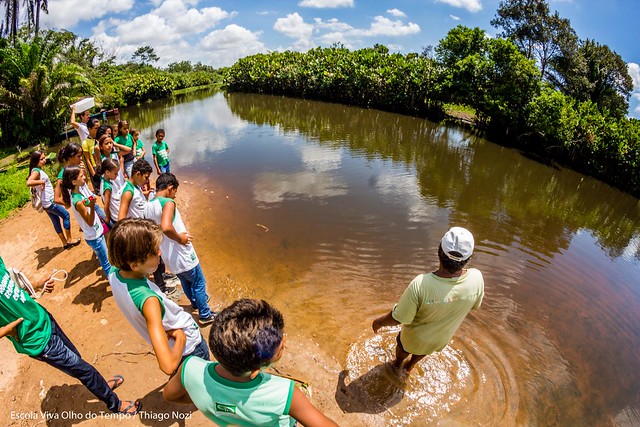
pixel 432 308
pixel 263 401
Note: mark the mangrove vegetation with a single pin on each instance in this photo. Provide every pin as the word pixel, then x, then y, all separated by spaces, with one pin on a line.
pixel 538 87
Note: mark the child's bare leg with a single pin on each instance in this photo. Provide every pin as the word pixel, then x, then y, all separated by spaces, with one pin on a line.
pixel 68 233
pixel 415 358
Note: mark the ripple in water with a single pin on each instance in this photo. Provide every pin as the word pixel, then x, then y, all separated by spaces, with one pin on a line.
pixel 456 384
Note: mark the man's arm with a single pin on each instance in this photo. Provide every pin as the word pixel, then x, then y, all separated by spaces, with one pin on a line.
pixel 75 124
pixel 307 414
pixel 168 357
pixel 174 391
pixel 386 320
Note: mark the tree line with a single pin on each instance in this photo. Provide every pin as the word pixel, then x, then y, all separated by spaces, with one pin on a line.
pixel 42 74
pixel 537 87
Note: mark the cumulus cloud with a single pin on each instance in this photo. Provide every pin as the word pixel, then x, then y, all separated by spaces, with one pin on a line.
pixel 326 4
pixel 470 5
pixel 190 20
pixel 332 25
pixel 397 13
pixel 224 47
pixel 455 18
pixel 293 26
pixel 68 13
pixel 382 26
pixel 634 102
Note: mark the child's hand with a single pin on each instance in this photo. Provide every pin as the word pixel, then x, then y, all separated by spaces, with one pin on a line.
pixel 45 283
pixel 173 334
pixel 158 171
pixel 185 238
pixel 11 329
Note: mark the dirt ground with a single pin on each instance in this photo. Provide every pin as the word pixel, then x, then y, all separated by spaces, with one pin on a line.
pixel 35 394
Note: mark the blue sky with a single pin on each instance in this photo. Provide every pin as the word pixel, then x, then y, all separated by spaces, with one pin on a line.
pixel 219 32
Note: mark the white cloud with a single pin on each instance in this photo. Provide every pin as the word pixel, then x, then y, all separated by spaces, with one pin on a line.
pixel 224 47
pixel 470 5
pixel 455 18
pixel 144 30
pixel 332 24
pixel 68 13
pixel 326 4
pixel 634 72
pixel 272 188
pixel 634 102
pixel 382 26
pixel 190 20
pixel 293 26
pixel 397 13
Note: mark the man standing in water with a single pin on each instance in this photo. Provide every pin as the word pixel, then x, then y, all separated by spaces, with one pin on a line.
pixel 434 305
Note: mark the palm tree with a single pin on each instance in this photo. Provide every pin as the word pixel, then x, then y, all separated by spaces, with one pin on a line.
pixel 12 16
pixel 36 90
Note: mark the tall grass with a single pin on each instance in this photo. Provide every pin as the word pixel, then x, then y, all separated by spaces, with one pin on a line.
pixel 14 192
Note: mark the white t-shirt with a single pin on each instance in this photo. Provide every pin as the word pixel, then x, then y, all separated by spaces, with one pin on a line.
pixel 83 132
pixel 138 201
pixel 46 194
pixel 178 257
pixel 90 231
pixel 131 294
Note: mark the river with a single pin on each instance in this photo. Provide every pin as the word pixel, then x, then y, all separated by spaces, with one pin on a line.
pixel 329 212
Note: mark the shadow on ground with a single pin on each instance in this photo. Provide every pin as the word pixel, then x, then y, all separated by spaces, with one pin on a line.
pixel 374 392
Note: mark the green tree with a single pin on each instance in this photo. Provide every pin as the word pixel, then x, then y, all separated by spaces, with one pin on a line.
pixel 593 72
pixel 490 75
pixel 538 34
pixel 180 67
pixel 36 89
pixel 145 55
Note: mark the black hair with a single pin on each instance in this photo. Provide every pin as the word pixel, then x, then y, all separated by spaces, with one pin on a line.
pixel 121 125
pixel 165 180
pixel 69 175
pixel 92 122
pixel 34 159
pixel 452 266
pixel 107 165
pixel 159 131
pixel 246 335
pixel 102 129
pixel 141 166
pixel 68 151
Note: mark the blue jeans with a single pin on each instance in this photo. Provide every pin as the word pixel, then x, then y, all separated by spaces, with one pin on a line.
pixel 99 246
pixel 56 213
pixel 165 169
pixel 100 212
pixel 201 350
pixel 127 167
pixel 63 355
pixel 195 288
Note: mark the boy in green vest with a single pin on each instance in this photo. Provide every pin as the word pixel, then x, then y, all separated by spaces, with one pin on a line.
pixel 34 332
pixel 245 337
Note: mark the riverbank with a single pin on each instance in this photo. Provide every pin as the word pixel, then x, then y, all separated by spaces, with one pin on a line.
pixel 85 308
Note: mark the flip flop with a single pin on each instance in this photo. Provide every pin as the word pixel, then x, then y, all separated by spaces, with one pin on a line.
pixel 136 406
pixel 72 244
pixel 117 381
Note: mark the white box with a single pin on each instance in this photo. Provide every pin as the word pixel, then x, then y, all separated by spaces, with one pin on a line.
pixel 84 104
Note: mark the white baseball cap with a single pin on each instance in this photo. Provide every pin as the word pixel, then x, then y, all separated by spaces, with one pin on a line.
pixel 460 240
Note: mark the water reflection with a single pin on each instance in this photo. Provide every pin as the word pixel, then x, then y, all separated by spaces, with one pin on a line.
pixel 353 203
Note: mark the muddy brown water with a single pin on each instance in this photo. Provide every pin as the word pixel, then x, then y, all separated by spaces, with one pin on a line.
pixel 329 211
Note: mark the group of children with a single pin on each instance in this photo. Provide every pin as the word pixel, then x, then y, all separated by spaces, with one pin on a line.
pixel 145 231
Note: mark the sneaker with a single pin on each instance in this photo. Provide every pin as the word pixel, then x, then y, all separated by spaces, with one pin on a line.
pixel 208 320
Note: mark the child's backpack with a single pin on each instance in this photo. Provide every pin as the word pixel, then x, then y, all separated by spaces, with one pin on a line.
pixel 36 202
